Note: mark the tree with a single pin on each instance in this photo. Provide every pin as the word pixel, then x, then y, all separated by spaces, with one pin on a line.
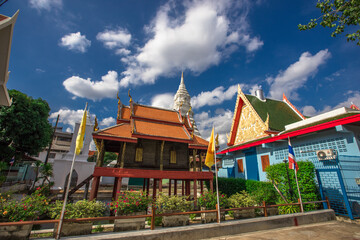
pixel 24 126
pixel 338 14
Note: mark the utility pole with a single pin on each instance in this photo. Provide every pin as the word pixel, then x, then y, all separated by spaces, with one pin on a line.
pixel 288 176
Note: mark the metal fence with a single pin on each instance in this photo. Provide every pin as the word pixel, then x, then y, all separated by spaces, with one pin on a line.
pixel 337 181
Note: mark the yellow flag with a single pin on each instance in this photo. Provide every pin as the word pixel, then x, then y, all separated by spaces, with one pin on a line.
pixel 210 155
pixel 81 133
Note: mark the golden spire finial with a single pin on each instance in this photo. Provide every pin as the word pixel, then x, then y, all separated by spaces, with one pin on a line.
pixel 129 96
pixel 96 125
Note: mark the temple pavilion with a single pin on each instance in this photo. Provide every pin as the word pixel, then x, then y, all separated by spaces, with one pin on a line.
pixel 153 143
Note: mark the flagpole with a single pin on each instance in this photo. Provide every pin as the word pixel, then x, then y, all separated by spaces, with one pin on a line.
pixel 67 191
pixel 216 179
pixel 297 183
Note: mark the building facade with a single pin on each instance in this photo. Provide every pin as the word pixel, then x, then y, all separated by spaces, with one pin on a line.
pixel 330 140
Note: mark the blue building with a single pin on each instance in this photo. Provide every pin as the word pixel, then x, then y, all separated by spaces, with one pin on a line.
pixel 330 140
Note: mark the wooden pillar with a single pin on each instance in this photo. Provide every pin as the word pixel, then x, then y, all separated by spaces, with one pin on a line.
pixel 202 186
pixel 123 155
pixel 162 156
pixel 211 185
pixel 118 187
pixel 154 188
pixel 114 188
pixel 175 187
pixel 160 185
pixel 182 187
pixel 187 187
pixel 201 163
pixel 194 160
pixel 195 192
pixel 101 154
pixel 148 186
pixel 169 187
pixel 144 184
pixel 94 188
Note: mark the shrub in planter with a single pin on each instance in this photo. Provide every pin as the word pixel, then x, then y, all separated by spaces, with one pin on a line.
pixel 27 209
pixel 130 203
pixel 171 204
pixel 262 191
pixel 239 200
pixel 80 209
pixel 208 201
pixel 288 209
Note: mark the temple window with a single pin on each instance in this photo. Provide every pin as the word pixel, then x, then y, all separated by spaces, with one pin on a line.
pixel 139 153
pixel 173 155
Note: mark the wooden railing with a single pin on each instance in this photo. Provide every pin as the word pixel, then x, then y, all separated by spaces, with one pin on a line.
pixel 153 214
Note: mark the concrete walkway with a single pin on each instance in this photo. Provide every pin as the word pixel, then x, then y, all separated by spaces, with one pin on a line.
pixel 333 230
pixel 211 230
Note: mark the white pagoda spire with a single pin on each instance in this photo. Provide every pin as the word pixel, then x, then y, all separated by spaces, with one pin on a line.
pixel 182 101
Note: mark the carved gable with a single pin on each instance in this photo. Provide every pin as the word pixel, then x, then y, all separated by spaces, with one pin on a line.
pixel 250 126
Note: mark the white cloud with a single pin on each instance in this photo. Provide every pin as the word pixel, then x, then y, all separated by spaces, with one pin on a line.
pixel 69 117
pixel 165 100
pixel 94 90
pixel 114 38
pixel 214 97
pixel 219 95
pixel 45 4
pixel 222 122
pixel 107 121
pixel 296 75
pixel 353 97
pixel 122 51
pixel 194 40
pixel 75 42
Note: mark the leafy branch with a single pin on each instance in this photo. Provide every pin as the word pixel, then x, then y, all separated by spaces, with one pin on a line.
pixel 338 14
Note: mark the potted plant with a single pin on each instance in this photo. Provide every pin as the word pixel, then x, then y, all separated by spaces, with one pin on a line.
pixel 130 203
pixel 27 209
pixel 208 201
pixel 80 209
pixel 173 204
pixel 242 199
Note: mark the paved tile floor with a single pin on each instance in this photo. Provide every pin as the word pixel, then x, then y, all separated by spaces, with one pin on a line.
pixel 334 230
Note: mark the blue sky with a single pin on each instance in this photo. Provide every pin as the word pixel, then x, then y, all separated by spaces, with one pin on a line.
pixel 73 52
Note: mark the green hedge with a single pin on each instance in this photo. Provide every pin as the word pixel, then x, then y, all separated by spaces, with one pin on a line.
pixel 229 186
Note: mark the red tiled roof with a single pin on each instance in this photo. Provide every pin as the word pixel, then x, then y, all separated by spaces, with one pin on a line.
pixel 125 113
pixel 199 142
pixel 151 123
pixel 122 130
pixel 156 113
pixel 163 130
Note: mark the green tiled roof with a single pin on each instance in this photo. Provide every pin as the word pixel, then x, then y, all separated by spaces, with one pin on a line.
pixel 280 113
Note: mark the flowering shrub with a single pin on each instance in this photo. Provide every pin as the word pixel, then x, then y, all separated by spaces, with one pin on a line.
pixel 28 208
pixel 80 209
pixel 166 204
pixel 209 201
pixel 130 201
pixel 242 199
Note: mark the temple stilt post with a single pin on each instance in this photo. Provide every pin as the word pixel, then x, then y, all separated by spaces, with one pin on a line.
pixel 154 188
pixel 175 187
pixel 94 188
pixel 195 192
pixel 118 188
pixel 169 187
